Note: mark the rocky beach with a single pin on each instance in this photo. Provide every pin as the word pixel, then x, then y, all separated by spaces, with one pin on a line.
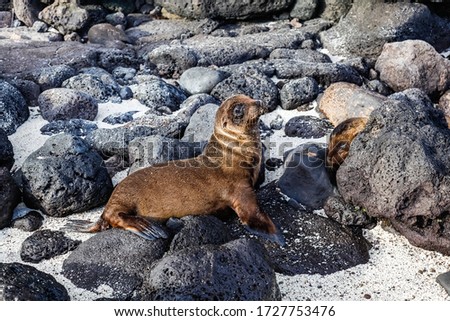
pixel 91 91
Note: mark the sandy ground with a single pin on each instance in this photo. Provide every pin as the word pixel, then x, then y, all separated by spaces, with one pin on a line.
pixel 396 270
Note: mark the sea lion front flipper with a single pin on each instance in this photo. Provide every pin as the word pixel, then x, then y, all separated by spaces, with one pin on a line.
pixel 246 207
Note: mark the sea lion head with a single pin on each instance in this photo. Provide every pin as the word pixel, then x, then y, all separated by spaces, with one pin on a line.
pixel 341 139
pixel 240 114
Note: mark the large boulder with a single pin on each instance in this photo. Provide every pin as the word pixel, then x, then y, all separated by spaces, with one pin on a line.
pixel 414 64
pixel 13 108
pixel 230 9
pixel 65 15
pixel 398 169
pixel 20 282
pixel 371 24
pixel 237 270
pixel 65 176
pixel 342 101
pixel 10 197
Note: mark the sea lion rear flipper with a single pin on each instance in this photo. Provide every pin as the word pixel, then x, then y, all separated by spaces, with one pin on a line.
pixel 144 228
pixel 84 226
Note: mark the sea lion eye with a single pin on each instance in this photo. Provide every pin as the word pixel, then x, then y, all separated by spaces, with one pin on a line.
pixel 238 113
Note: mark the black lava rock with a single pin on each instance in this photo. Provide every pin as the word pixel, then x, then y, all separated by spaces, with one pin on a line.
pixel 255 85
pixel 13 108
pixel 46 244
pixel 119 118
pixel 29 89
pixel 398 169
pixel 116 258
pixel 237 270
pixel 6 151
pixel 200 230
pixel 75 127
pixel 65 176
pixel 30 222
pixel 52 76
pixel 305 179
pixel 307 127
pixel 92 85
pixel 298 92
pixel 10 196
pixel 20 282
pixel 314 244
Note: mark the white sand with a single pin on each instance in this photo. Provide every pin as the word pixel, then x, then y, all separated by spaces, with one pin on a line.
pixel 396 270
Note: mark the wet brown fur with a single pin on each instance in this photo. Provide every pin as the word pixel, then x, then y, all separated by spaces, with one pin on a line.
pixel 223 176
pixel 340 141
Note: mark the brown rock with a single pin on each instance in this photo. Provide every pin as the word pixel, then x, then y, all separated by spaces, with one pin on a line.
pixel 108 35
pixel 444 105
pixel 5 19
pixel 413 64
pixel 342 101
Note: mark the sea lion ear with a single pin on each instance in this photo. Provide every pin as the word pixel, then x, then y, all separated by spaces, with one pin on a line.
pixel 238 113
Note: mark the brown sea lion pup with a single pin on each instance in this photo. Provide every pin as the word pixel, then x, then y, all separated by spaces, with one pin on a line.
pixel 223 176
pixel 339 143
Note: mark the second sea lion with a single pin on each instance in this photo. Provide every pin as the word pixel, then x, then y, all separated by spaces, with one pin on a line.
pixel 223 176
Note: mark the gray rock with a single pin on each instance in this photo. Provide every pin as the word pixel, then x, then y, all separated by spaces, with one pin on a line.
pixel 108 35
pixel 10 196
pixel 20 282
pixel 157 93
pixel 65 176
pixel 277 123
pixel 223 10
pixel 29 90
pixel 39 26
pixel 53 76
pixel 194 102
pixel 305 55
pixel 397 169
pixel 298 92
pixel 444 280
pixel 74 127
pixel 324 73
pixel 414 64
pixel 119 118
pixel 199 80
pixel 172 61
pixel 307 127
pixel 305 179
pixel 370 24
pixel 116 18
pixel 13 108
pixel 255 85
pixel 65 16
pixel 199 230
pixel 125 6
pixel 46 244
pixel 304 10
pixel 116 258
pixel 334 9
pixel 126 93
pixel 251 66
pixel 66 104
pixel 201 125
pixel 110 58
pixel 124 74
pixel 27 11
pixel 114 141
pixel 236 270
pixel 91 85
pixel 6 151
pixel 30 222
pixel 346 214
pixel 148 151
pixel 306 251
